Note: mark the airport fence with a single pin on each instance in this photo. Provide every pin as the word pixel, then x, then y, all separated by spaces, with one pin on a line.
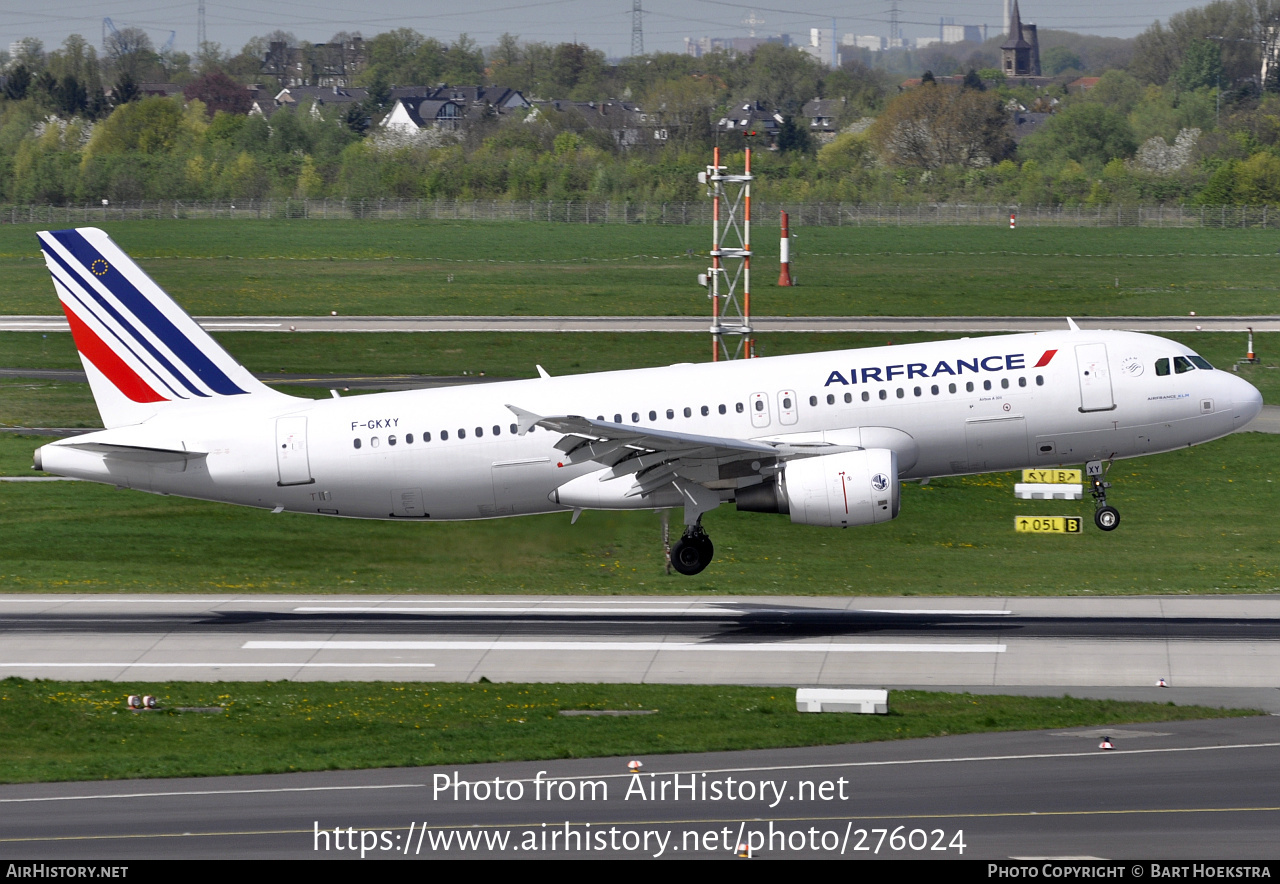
pixel 765 214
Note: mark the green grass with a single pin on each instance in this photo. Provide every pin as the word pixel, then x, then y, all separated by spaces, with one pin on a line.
pixel 1195 521
pixel 51 731
pixel 448 268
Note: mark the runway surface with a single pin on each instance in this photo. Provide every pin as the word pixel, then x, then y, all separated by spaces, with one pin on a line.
pixel 1219 650
pixel 896 324
pixel 1200 790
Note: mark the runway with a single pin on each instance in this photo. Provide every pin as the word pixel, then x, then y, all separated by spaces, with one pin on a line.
pixel 761 324
pixel 1197 791
pixel 1219 650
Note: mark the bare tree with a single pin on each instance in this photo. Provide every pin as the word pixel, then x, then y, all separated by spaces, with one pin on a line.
pixel 934 126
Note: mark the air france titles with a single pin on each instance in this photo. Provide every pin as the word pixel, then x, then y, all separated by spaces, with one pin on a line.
pixel 950 367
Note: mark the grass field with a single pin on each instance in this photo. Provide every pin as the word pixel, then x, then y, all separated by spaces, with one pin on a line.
pixel 1195 521
pixel 449 268
pixel 82 730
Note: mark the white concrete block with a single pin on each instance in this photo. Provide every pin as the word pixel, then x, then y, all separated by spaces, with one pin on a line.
pixel 867 702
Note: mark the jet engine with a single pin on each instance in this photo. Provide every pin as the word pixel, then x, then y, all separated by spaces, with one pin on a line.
pixel 832 490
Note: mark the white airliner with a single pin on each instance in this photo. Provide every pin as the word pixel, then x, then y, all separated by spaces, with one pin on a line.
pixel 825 437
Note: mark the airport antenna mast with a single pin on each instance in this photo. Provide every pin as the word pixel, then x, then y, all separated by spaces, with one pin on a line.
pixel 201 37
pixel 637 29
pixel 728 279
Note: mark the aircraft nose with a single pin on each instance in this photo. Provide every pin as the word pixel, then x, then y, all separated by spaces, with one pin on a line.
pixel 1247 401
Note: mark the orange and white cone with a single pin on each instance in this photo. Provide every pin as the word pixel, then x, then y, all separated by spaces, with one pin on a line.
pixel 1106 743
pixel 634 766
pixel 1161 683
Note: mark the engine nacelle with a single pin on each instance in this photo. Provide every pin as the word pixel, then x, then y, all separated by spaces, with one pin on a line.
pixel 833 490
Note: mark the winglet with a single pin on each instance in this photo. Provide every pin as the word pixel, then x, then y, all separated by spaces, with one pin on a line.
pixel 1071 324
pixel 527 419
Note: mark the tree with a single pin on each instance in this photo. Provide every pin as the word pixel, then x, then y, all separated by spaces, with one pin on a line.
pixel 130 53
pixel 219 93
pixel 1089 133
pixel 1058 59
pixel 792 138
pixel 781 77
pixel 17 82
pixel 1201 67
pixel 935 126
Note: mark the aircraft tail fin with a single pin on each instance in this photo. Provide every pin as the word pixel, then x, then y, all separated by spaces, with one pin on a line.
pixel 141 351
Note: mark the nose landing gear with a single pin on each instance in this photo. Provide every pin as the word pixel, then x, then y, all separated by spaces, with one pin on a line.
pixel 1104 516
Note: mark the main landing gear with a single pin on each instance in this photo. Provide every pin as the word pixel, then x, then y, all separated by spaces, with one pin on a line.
pixel 1105 517
pixel 693 551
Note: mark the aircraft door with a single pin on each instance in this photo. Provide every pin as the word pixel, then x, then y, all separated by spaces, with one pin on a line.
pixel 788 412
pixel 291 451
pixel 1095 378
pixel 759 410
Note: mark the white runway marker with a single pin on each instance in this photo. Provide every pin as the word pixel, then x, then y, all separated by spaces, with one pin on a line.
pixel 739 647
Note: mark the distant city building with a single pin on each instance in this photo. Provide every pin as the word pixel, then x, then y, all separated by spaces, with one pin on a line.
pixel 860 41
pixel 732 45
pixel 953 33
pixel 822 46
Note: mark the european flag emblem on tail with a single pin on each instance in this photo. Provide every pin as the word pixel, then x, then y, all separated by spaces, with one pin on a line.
pixel 139 348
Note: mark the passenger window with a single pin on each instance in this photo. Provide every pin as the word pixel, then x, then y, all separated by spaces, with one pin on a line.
pixel 705 411
pixel 688 412
pixel 900 393
pixel 653 415
pixel 722 409
pixel 831 398
pixel 916 391
pixel 866 397
pixel 968 387
pixel 1004 383
pixel 444 435
pixel 760 405
pixel 497 430
pixel 951 388
pixel 986 385
pixel 884 395
pixel 934 389
pixel 373 443
pixel 408 438
pixel 391 440
pixel 1182 365
pixel 462 434
pixel 479 432
pixel 671 414
pixel 635 417
pixel 356 443
pixel 515 428
pixel 848 397
pixel 426 437
pixel 738 407
pixel 1022 382
pixel 1039 380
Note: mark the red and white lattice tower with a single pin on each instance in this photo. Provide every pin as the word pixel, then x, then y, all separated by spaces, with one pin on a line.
pixel 728 279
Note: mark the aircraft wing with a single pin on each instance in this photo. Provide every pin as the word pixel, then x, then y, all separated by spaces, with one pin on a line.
pixel 657 457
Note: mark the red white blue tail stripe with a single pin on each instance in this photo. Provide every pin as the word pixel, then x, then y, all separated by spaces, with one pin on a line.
pixel 130 329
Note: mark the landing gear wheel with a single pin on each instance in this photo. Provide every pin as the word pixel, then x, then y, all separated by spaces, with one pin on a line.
pixel 1107 518
pixel 692 552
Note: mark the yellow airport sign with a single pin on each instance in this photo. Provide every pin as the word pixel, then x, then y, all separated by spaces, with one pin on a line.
pixel 1047 524
pixel 1053 477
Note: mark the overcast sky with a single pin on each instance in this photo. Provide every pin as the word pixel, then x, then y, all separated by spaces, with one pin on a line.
pixel 602 24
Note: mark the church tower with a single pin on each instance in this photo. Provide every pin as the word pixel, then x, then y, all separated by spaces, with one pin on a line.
pixel 1020 52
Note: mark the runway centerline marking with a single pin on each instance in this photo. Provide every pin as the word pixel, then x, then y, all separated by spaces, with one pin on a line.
pixel 218 665
pixel 747 647
pixel 555 608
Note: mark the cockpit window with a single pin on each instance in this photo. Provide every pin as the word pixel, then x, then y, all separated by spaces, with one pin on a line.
pixel 1182 365
pixel 1162 367
pixel 1200 362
